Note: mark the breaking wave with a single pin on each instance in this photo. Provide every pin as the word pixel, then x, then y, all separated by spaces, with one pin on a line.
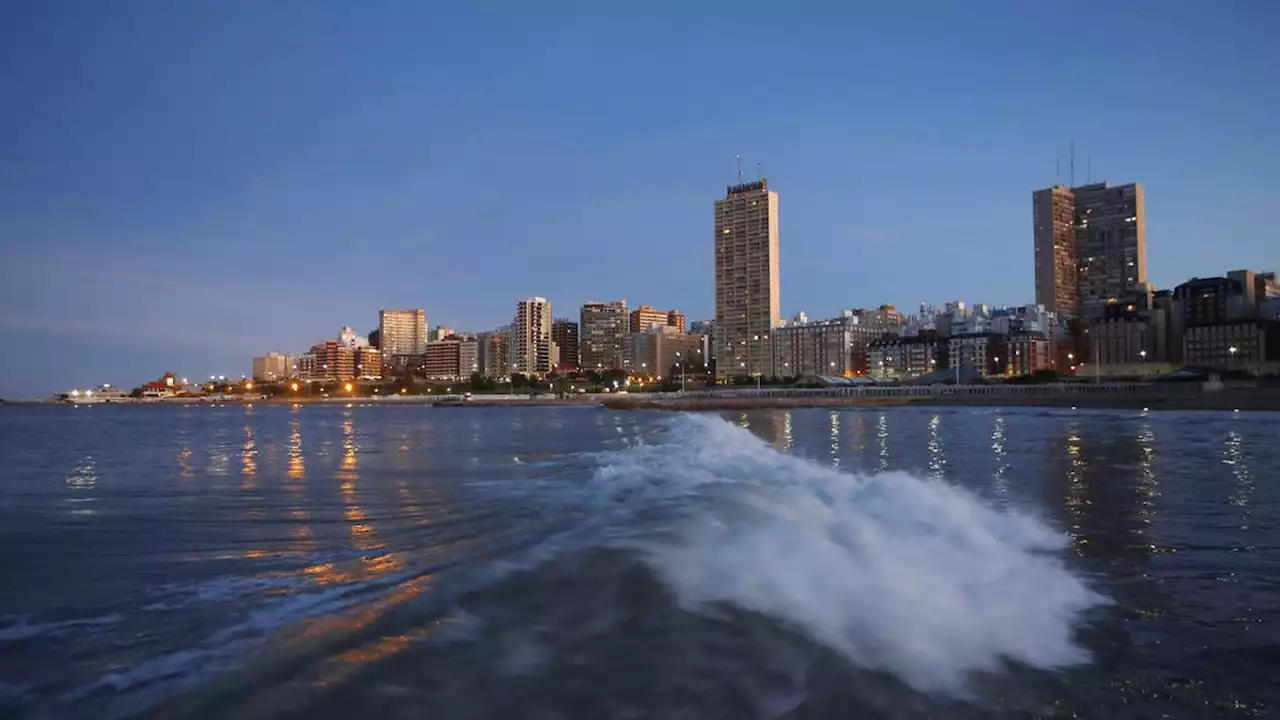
pixel 897 573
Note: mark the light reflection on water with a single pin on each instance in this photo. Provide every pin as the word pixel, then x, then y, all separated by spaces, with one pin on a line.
pixel 353 517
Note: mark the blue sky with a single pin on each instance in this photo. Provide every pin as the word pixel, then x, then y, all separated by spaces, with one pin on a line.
pixel 184 185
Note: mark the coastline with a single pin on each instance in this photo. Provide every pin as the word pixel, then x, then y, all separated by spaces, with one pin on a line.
pixel 1218 401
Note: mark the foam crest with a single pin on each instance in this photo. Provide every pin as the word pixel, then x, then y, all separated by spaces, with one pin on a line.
pixel 898 573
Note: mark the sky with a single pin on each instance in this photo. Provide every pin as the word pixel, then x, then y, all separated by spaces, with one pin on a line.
pixel 186 185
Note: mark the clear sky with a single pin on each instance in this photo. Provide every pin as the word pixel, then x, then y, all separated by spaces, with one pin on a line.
pixel 184 185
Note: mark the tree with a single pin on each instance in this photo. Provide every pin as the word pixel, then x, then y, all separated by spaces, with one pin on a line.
pixel 519 380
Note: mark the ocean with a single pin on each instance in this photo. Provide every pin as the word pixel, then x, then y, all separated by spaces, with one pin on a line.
pixel 330 562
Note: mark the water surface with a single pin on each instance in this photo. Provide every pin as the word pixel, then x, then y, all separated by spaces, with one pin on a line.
pixel 564 562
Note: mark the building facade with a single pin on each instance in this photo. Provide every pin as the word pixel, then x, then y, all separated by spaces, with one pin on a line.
pixel 903 358
pixel 1056 265
pixel 978 354
pixel 1030 352
pixel 401 334
pixel 274 366
pixel 1103 258
pixel 564 333
pixel 534 350
pixel 748 298
pixel 491 355
pixel 329 360
pixel 838 346
pixel 452 359
pixel 654 352
pixel 1111 240
pixel 601 334
pixel 368 363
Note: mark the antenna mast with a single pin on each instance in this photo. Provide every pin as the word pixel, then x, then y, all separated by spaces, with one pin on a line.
pixel 758 175
pixel 739 156
pixel 1073 163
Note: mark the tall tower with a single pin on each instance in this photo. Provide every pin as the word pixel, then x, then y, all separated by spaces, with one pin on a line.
pixel 747 293
pixel 1111 237
pixel 1056 260
pixel 1090 247
pixel 534 351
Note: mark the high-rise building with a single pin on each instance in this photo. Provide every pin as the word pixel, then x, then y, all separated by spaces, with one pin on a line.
pixel 601 334
pixel 747 288
pixel 564 333
pixel 401 333
pixel 1111 239
pixel 535 352
pixel 1102 258
pixel 491 354
pixel 1053 213
pixel 441 333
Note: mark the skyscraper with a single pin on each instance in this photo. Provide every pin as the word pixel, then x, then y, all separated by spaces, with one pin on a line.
pixel 747 293
pixel 401 333
pixel 535 353
pixel 601 333
pixel 1090 247
pixel 1111 238
pixel 1053 213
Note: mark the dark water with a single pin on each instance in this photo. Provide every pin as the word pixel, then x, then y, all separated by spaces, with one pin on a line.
pixel 580 563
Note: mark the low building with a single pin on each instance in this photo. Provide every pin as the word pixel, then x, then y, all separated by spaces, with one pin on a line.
pixel 368 363
pixel 980 354
pixel 328 360
pixel 273 367
pixel 1232 345
pixel 1030 352
pixel 837 346
pixel 1132 330
pixel 654 352
pixel 443 360
pixel 907 357
pixel 491 355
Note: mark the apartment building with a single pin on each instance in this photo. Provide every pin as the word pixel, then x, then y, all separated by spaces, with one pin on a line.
pixel 837 346
pixel 274 366
pixel 534 349
pixel 601 333
pixel 1106 259
pixel 746 280
pixel 401 334
pixel 564 333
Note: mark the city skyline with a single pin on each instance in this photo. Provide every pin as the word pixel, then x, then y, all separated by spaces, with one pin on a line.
pixel 183 229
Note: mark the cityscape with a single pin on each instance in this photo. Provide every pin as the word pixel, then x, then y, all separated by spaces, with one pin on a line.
pixel 1095 316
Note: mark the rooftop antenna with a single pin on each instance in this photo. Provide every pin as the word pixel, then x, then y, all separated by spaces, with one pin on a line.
pixel 758 175
pixel 1073 163
pixel 1057 170
pixel 739 156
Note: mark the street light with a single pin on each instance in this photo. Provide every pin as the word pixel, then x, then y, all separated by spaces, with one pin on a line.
pixel 350 387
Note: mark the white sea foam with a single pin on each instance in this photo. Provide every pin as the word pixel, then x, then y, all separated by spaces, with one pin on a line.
pixel 897 573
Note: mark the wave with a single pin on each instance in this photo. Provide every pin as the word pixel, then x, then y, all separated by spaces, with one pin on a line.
pixel 897 573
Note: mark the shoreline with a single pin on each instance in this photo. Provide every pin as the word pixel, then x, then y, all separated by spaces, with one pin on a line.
pixel 1222 401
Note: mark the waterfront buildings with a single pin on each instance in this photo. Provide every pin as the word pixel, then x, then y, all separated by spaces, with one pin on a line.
pixel 402 335
pixel 1090 247
pixel 441 333
pixel 1222 321
pixel 907 357
pixel 602 331
pixel 838 346
pixel 368 363
pixel 455 357
pixel 328 360
pixel 274 366
pixel 746 276
pixel 534 350
pixel 1056 263
pixel 564 333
